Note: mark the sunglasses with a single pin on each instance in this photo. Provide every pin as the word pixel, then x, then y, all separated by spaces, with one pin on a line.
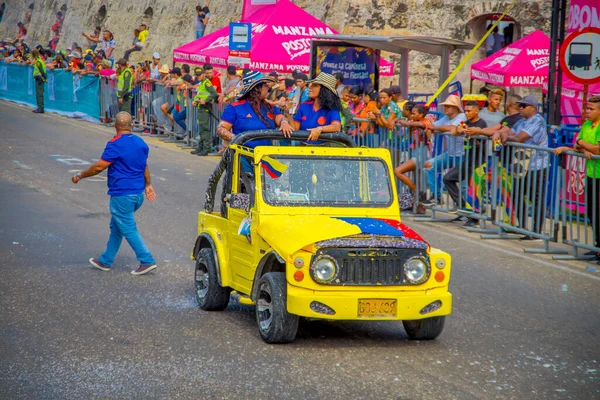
pixel 523 105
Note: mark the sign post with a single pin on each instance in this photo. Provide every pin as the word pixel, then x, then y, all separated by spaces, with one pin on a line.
pixel 240 44
pixel 580 59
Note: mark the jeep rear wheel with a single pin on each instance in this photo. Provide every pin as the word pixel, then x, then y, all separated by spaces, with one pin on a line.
pixel 210 295
pixel 424 329
pixel 275 324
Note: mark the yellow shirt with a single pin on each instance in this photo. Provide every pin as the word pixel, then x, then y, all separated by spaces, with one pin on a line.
pixel 142 36
pixel 401 104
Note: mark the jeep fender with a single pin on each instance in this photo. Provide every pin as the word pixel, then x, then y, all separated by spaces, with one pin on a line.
pixel 205 240
pixel 271 262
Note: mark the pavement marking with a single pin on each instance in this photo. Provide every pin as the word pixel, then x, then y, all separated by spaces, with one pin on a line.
pixel 479 243
pixel 72 161
pixel 160 178
pixel 20 164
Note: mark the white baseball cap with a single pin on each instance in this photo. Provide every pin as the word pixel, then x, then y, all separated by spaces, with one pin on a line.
pixel 155 55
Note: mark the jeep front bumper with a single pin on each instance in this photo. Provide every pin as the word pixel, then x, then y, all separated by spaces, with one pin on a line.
pixel 409 305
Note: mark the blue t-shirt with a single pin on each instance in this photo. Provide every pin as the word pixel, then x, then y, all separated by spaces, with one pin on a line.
pixel 535 127
pixel 243 118
pixel 127 154
pixel 454 144
pixel 309 118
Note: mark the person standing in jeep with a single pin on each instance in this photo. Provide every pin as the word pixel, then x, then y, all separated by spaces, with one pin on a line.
pixel 126 157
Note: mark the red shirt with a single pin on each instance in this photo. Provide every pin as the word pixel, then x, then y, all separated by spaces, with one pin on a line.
pixel 216 82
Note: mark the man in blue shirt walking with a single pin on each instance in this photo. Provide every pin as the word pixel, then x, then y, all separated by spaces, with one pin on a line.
pixel 126 157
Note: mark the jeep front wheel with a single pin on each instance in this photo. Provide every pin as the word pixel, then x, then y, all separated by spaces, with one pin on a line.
pixel 424 329
pixel 210 295
pixel 275 324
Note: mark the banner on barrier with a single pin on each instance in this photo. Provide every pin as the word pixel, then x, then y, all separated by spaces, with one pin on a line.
pixel 64 92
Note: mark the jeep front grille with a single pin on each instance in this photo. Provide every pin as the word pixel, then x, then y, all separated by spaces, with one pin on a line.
pixel 368 266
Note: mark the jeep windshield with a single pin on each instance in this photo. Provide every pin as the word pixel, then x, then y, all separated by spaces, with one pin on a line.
pixel 325 181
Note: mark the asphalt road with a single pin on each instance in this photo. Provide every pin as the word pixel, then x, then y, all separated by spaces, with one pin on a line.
pixel 68 331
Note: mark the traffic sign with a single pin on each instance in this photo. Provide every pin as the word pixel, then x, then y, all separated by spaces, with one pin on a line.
pixel 580 56
pixel 240 36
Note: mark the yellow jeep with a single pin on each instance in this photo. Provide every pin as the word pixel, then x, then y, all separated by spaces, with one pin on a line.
pixel 315 232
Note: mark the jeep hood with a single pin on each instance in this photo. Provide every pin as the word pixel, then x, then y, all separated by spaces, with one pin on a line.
pixel 288 234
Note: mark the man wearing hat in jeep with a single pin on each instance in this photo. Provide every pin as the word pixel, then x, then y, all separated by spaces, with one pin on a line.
pixel 205 95
pixel 40 76
pixel 124 85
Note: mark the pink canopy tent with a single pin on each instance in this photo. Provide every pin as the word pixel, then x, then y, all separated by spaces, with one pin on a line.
pixel 523 63
pixel 277 45
pixel 572 99
pixel 574 90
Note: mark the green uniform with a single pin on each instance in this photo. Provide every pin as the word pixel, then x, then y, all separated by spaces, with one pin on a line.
pixel 40 76
pixel 124 87
pixel 591 135
pixel 206 92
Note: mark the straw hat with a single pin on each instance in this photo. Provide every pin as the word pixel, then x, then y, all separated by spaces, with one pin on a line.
pixel 326 80
pixel 164 69
pixel 252 79
pixel 453 101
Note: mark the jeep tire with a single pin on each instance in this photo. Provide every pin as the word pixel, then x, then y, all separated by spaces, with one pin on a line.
pixel 424 329
pixel 211 296
pixel 275 324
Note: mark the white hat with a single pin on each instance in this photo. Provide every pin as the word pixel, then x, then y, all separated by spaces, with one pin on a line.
pixel 156 55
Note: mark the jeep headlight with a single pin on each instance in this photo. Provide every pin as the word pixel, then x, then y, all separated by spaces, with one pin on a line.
pixel 416 270
pixel 324 269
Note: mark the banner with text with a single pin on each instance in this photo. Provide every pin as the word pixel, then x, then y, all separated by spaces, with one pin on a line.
pixel 64 92
pixel 358 64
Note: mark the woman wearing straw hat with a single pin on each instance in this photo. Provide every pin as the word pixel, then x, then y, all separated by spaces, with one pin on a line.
pixel 322 113
pixel 252 111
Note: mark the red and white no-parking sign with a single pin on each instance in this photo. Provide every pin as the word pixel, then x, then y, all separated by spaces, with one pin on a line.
pixel 580 56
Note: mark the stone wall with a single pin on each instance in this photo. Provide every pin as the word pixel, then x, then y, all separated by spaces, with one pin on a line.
pixel 172 23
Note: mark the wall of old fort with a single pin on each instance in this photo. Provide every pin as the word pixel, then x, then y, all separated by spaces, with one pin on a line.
pixel 172 22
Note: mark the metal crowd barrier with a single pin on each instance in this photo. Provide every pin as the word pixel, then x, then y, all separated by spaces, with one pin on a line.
pixel 518 190
pixel 403 147
pixel 579 204
pixel 109 107
pixel 148 102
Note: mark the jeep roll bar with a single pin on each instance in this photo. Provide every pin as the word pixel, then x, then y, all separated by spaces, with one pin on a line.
pixel 274 134
pixel 243 138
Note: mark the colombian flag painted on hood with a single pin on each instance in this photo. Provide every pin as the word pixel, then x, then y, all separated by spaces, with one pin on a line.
pixel 382 226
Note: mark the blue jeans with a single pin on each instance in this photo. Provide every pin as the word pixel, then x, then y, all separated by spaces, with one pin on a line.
pixel 179 118
pixel 199 34
pixel 122 224
pixel 438 165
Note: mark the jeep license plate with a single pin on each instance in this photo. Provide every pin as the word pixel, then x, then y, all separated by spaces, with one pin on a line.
pixel 377 308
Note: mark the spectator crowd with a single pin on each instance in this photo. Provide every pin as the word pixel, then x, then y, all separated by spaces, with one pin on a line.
pixel 375 119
